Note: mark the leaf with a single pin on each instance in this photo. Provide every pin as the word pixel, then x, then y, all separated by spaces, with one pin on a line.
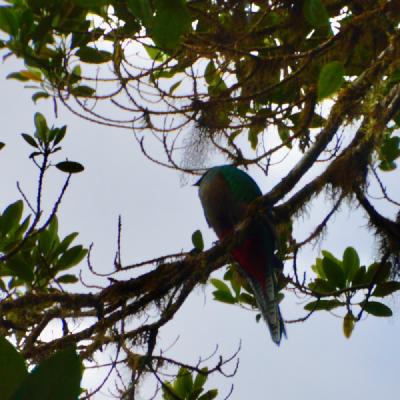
pixel 174 87
pixel 71 257
pixel 12 368
pixel 82 91
pixel 218 284
pixel 155 53
pixel 91 55
pixel 46 240
pixel 21 268
pixel 30 140
pixel 334 273
pixel 351 263
pixel 253 135
pixel 91 3
pixel 18 76
pixel 60 135
pixel 316 13
pixel 141 9
pixel 330 79
pixel 41 126
pixel 67 278
pixel 209 395
pixel 197 240
pixel 377 309
pixel 2 145
pixel 210 73
pixel 224 297
pixel 171 21
pixel 200 379
pixel 71 167
pixel 11 217
pixel 248 299
pixel 183 383
pixel 348 325
pixel 321 286
pixel 385 288
pixel 8 20
pixel 327 305
pixel 359 277
pixel 284 134
pixel 58 377
pixel 317 268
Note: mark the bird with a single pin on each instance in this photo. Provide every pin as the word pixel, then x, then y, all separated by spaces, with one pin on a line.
pixel 225 194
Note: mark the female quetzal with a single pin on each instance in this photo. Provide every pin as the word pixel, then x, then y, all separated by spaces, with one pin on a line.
pixel 225 193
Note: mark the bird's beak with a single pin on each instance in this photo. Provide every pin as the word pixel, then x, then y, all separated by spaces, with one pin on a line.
pixel 197 183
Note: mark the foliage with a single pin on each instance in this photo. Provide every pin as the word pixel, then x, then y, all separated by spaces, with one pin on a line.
pixel 255 81
pixel 57 377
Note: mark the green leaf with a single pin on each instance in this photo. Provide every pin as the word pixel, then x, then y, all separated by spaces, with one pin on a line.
pixel 46 241
pixel 200 379
pixel 71 167
pixel 224 297
pixel 141 9
pixel 385 288
pixel 41 127
pixel 351 263
pixel 334 273
pixel 321 286
pixel 21 268
pixel 316 13
pixel 30 140
pixel 67 278
pixel 330 79
pixel 218 284
pixel 377 309
pixel 71 257
pixel 82 91
pixel 91 3
pixel 39 95
pixel 19 76
pixel 11 217
pixel 91 55
pixel 209 395
pixel 155 53
pixel 210 73
pixel 253 135
pixel 348 325
pixel 60 135
pixel 248 299
pixel 284 134
pixel 9 20
pixel 317 268
pixel 197 240
pixel 184 383
pixel 66 242
pixel 12 368
pixel 327 305
pixel 171 21
pixel 58 377
pixel 174 87
pixel 359 277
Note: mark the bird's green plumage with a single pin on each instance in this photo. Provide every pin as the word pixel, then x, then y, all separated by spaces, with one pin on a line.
pixel 225 193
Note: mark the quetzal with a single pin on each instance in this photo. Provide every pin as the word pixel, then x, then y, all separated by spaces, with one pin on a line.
pixel 225 193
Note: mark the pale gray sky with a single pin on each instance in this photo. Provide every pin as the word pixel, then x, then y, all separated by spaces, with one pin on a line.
pixel 159 217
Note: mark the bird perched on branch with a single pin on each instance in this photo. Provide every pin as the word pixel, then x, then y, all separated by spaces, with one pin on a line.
pixel 225 194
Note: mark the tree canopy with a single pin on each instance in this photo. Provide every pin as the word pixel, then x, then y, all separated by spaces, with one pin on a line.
pixel 249 81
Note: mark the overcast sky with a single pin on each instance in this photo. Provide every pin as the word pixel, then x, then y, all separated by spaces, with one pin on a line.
pixel 159 216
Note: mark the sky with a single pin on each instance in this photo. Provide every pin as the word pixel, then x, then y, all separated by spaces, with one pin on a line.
pixel 159 216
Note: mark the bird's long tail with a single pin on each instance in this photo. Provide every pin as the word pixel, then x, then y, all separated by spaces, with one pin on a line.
pixel 267 300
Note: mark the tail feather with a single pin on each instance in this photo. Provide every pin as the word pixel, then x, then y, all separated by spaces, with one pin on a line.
pixel 267 301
